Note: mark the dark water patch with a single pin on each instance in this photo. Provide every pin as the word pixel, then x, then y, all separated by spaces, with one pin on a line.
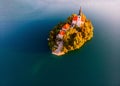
pixel 29 36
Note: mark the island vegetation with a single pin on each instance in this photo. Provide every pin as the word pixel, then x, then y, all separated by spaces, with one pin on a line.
pixel 74 38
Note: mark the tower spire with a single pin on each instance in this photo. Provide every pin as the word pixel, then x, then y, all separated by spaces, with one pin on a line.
pixel 80 11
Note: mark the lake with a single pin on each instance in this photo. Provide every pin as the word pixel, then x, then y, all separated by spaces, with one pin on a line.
pixel 26 60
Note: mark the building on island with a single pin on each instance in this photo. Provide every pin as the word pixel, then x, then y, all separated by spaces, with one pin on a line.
pixel 63 30
pixel 78 19
pixel 61 34
pixel 66 27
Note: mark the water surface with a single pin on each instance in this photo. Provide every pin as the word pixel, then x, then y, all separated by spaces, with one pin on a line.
pixel 25 58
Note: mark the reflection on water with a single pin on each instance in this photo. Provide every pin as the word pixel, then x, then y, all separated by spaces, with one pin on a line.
pixel 26 59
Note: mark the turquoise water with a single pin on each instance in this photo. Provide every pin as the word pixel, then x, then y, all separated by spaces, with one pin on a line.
pixel 25 58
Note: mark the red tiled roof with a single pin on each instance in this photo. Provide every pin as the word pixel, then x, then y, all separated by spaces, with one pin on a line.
pixel 66 26
pixel 75 18
pixel 61 32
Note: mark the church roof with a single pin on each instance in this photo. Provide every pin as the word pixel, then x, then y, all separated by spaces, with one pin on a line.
pixel 75 18
pixel 80 11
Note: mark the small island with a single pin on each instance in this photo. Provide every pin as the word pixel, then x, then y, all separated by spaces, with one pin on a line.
pixel 71 34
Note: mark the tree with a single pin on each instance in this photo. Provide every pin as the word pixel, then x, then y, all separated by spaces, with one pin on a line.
pixel 74 37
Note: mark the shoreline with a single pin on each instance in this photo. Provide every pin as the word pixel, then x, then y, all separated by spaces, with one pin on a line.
pixel 70 35
pixel 58 54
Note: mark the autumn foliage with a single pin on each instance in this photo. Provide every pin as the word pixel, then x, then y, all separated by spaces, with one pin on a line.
pixel 75 37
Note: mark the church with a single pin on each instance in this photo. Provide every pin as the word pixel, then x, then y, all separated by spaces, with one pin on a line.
pixel 78 19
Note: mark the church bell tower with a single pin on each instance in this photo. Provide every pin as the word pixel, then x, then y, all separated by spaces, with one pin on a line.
pixel 80 11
